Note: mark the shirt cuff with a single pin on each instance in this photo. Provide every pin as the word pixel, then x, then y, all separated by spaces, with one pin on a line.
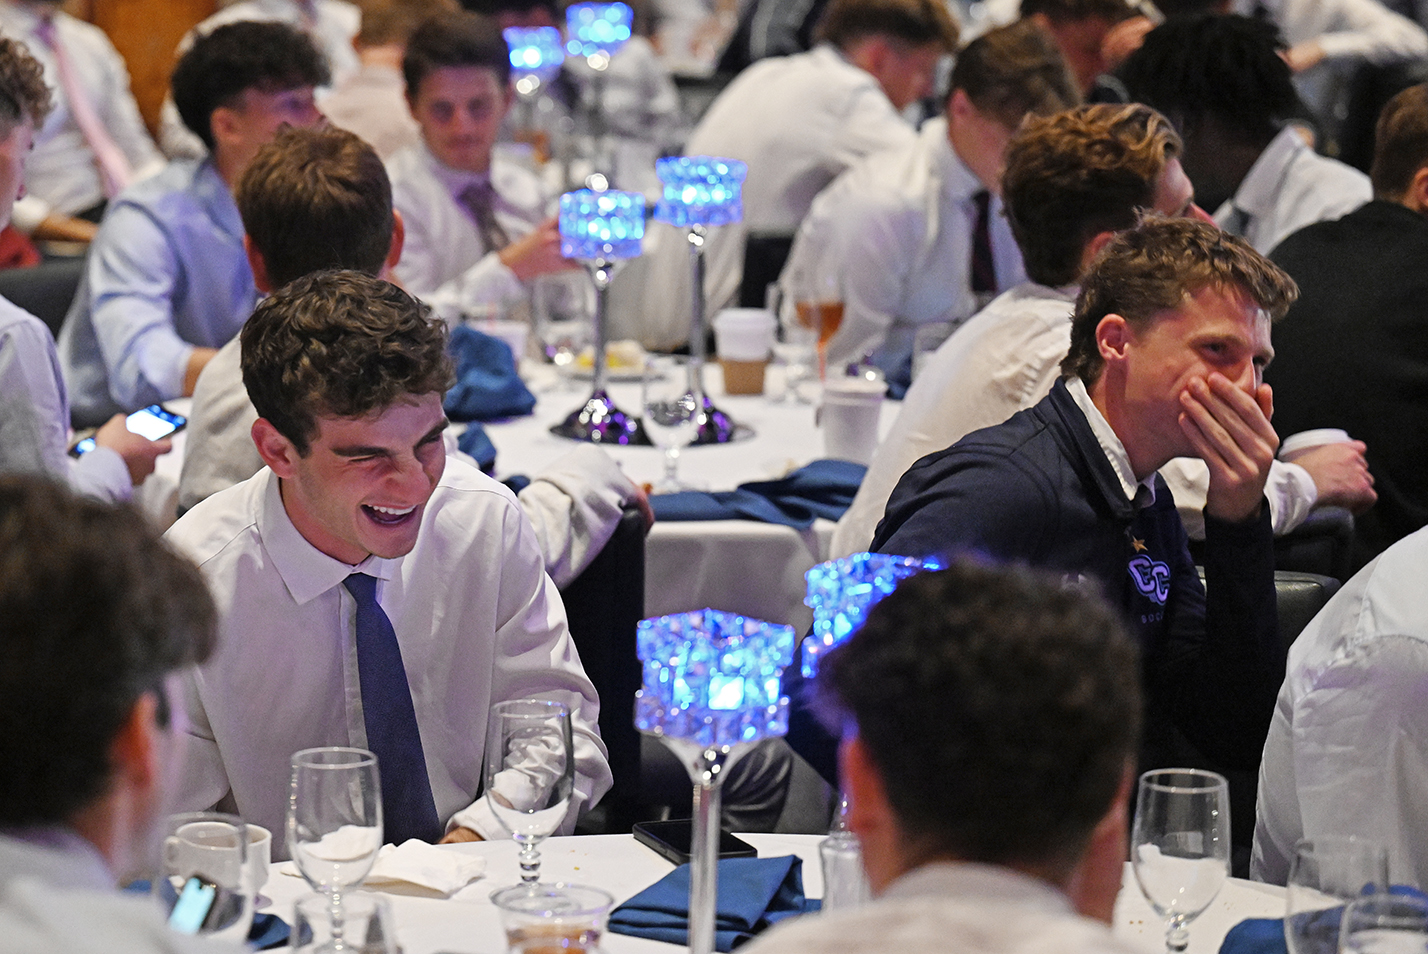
pixel 101 474
pixel 29 212
pixel 1292 493
pixel 479 818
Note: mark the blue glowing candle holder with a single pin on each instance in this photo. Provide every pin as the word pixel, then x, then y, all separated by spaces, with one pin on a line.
pixel 701 190
pixel 600 228
pixel 711 690
pixel 841 592
pixel 535 51
pixel 593 29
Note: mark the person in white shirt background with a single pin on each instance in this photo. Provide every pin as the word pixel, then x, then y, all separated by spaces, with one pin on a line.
pixel 917 235
pixel 968 696
pixel 93 143
pixel 1223 83
pixel 798 121
pixel 90 731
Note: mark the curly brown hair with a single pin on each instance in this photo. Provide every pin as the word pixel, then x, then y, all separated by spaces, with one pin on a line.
pixel 339 344
pixel 1153 267
pixel 23 93
pixel 1078 173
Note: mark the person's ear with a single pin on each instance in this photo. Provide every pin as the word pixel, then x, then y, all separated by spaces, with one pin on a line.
pixel 258 266
pixel 394 250
pixel 134 752
pixel 1093 248
pixel 1417 195
pixel 959 106
pixel 225 124
pixel 1113 338
pixel 279 453
pixel 870 814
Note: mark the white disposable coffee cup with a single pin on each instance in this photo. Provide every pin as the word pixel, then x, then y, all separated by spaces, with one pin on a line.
pixel 743 338
pixel 1296 444
pixel 258 859
pixel 849 415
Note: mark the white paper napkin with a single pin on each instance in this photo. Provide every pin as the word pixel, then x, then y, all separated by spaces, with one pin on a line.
pixel 421 864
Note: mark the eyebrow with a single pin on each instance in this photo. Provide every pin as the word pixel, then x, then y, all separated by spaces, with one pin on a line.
pixel 361 450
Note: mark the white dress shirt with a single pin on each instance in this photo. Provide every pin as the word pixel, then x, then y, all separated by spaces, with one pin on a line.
pixel 444 261
pixel 1003 360
pixel 1288 187
pixel 61 175
pixel 1347 752
pixel 798 121
pixel 946 906
pixel 476 616
pixel 34 413
pixel 899 226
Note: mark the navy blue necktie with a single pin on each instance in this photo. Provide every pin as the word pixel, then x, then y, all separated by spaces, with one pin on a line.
pixel 408 809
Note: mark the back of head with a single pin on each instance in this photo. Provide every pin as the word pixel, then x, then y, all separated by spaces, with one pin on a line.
pixel 392 22
pixel 315 199
pixel 979 692
pixel 1220 67
pixel 455 40
pixel 1154 267
pixel 339 344
pixel 1075 11
pixel 1015 70
pixel 1400 143
pixel 911 22
pixel 236 57
pixel 1078 173
pixel 521 10
pixel 23 93
pixel 95 611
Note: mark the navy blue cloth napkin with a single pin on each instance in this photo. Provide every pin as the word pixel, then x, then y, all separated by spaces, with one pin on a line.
pixel 1266 935
pixel 753 894
pixel 824 488
pixel 487 385
pixel 475 441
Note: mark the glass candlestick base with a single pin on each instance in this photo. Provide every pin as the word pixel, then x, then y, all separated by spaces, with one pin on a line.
pixel 716 427
pixel 599 421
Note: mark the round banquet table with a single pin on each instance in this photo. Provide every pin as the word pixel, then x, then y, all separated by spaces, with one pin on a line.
pixel 467 922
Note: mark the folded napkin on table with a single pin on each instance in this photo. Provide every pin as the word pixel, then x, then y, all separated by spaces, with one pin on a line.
pixel 824 488
pixel 415 862
pixel 753 894
pixel 1266 935
pixel 475 442
pixel 487 385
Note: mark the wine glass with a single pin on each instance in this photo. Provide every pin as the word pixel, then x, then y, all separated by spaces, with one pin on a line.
pixel 202 886
pixel 1180 845
pixel 1385 924
pixel 562 310
pixel 530 773
pixel 671 414
pixel 1326 874
pixel 334 824
pixel 817 294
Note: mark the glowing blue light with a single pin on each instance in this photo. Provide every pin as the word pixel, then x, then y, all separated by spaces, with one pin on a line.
pixel 700 190
pixel 597 28
pixel 842 591
pixel 535 51
pixel 713 678
pixel 606 225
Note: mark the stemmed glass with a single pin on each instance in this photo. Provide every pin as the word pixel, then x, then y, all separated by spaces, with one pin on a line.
pixel 1326 874
pixel 334 824
pixel 817 302
pixel 562 308
pixel 1180 845
pixel 671 414
pixel 530 773
pixel 201 883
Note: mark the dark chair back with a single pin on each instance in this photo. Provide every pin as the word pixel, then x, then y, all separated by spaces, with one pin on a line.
pixel 45 290
pixel 1323 544
pixel 764 257
pixel 605 604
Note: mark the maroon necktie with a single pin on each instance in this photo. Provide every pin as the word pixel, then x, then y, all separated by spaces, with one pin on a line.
pixel 984 267
pixel 480 200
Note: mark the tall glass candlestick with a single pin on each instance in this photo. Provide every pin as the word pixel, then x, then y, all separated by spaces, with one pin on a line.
pixel 840 593
pixel 537 56
pixel 596 32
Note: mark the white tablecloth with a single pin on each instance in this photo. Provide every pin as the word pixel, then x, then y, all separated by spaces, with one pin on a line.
pixel 468 923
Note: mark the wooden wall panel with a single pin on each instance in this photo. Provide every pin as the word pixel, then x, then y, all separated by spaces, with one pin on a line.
pixel 146 33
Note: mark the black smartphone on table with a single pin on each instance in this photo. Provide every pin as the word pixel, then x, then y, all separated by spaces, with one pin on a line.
pixel 672 840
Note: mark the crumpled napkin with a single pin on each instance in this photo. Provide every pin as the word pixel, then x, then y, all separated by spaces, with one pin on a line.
pixel 416 862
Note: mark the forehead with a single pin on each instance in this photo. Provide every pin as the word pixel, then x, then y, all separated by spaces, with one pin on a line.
pixel 398 424
pixel 262 96
pixel 458 82
pixel 1216 311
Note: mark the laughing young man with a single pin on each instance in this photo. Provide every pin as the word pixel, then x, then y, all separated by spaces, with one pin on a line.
pixel 361 538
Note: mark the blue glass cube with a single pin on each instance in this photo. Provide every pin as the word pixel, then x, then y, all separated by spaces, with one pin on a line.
pixel 701 190
pixel 597 28
pixel 535 51
pixel 713 678
pixel 842 591
pixel 606 225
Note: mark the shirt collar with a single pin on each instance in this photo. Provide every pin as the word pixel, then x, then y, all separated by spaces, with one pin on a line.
pixel 57 854
pixel 1257 191
pixel 24 20
pixel 456 181
pixel 966 880
pixel 1110 443
pixel 306 571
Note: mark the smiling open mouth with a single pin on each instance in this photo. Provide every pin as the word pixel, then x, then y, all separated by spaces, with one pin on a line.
pixel 387 516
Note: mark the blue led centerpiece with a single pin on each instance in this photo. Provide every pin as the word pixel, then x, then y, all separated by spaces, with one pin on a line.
pixel 842 591
pixel 535 51
pixel 601 225
pixel 713 678
pixel 700 190
pixel 597 28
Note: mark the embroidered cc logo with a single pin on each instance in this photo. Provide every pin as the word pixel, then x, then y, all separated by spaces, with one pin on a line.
pixel 1151 577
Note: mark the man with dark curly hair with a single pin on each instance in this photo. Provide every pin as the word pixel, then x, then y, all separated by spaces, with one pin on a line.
pixel 371 591
pixel 990 718
pixel 97 616
pixel 167 283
